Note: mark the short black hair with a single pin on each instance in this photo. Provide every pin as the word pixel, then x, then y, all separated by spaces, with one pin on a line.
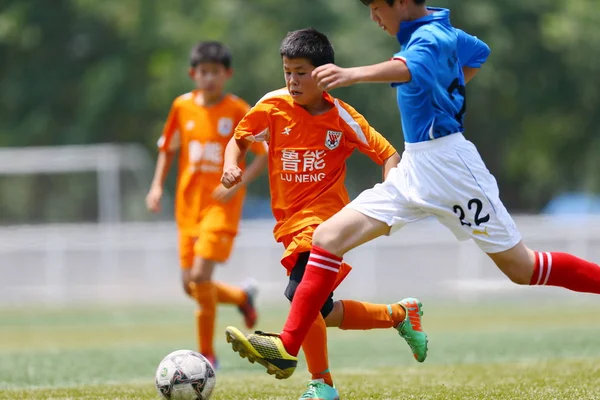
pixel 210 52
pixel 310 44
pixel 390 2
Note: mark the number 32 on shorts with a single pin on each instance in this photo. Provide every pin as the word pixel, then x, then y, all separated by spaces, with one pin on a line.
pixel 476 206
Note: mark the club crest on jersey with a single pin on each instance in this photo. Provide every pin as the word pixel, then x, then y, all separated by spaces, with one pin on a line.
pixel 225 125
pixel 332 139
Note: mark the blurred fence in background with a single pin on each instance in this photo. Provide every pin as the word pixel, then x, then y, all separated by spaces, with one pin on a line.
pixel 85 72
pixel 131 263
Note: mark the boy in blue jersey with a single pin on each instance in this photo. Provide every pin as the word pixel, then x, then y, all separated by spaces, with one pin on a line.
pixel 441 174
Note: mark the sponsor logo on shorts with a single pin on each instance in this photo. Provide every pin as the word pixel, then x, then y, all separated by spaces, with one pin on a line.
pixel 480 232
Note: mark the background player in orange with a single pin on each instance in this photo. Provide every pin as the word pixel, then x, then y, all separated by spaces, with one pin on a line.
pixel 311 135
pixel 199 125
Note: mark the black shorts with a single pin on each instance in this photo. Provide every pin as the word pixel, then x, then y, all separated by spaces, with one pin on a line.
pixel 295 279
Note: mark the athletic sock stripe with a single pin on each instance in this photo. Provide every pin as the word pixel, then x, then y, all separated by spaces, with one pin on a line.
pixel 331 264
pixel 318 265
pixel 331 260
pixel 548 268
pixel 541 267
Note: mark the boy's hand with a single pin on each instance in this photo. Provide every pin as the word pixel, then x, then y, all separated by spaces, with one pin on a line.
pixel 223 195
pixel 231 176
pixel 153 199
pixel 330 76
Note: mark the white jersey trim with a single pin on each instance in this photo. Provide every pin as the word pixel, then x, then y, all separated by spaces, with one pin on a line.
pixel 351 122
pixel 259 137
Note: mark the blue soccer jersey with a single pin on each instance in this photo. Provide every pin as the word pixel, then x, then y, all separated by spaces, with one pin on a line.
pixel 433 103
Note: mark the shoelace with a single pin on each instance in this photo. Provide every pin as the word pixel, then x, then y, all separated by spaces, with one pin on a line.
pixel 311 391
pixel 261 333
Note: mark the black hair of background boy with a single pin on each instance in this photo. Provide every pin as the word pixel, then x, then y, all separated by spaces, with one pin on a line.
pixel 210 52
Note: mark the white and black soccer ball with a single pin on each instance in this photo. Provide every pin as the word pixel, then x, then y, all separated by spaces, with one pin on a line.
pixel 185 375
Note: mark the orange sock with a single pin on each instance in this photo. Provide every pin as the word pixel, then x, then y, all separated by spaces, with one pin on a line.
pixel 206 295
pixel 229 294
pixel 315 351
pixel 364 316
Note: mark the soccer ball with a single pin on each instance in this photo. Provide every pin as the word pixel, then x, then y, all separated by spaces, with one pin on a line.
pixel 185 375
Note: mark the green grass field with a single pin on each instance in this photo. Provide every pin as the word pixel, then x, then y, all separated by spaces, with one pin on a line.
pixel 483 352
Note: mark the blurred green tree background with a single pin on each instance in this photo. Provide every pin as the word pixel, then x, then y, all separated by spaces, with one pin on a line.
pixel 88 71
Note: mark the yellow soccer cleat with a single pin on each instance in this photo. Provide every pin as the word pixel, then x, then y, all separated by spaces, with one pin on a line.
pixel 264 348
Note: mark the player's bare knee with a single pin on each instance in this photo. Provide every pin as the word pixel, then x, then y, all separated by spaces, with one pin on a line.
pixel 186 288
pixel 185 282
pixel 202 270
pixel 326 237
pixel 199 277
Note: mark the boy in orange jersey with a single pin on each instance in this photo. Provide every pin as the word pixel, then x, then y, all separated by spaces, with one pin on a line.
pixel 199 125
pixel 310 136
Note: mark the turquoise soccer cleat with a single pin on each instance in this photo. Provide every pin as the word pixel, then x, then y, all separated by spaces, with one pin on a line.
pixel 319 390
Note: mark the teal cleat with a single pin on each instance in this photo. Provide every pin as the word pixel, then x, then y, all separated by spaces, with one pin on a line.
pixel 411 328
pixel 319 390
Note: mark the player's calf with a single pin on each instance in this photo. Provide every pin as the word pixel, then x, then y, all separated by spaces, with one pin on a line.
pixel 404 316
pixel 527 267
pixel 517 263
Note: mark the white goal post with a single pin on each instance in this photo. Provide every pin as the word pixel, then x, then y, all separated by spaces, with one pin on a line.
pixel 107 160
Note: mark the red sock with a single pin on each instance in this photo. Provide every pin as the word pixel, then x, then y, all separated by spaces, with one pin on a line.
pixel 318 282
pixel 566 270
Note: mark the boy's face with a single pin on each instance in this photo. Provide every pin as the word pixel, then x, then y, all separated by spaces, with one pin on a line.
pixel 299 81
pixel 210 77
pixel 388 17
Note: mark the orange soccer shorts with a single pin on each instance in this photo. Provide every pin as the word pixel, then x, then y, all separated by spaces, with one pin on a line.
pixel 214 246
pixel 301 242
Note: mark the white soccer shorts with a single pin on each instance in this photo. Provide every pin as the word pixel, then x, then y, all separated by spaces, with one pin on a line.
pixel 444 178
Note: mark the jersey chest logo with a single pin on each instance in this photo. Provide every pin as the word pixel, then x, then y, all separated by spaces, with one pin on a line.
pixel 224 126
pixel 333 139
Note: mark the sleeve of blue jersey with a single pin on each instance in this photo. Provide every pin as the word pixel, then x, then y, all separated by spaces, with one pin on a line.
pixel 472 52
pixel 420 56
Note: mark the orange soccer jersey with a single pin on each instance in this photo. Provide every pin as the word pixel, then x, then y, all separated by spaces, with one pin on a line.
pixel 307 156
pixel 201 134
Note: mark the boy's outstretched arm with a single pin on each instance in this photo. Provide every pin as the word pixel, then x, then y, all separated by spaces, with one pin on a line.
pixel 235 152
pixel 330 76
pixel 163 164
pixel 224 193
